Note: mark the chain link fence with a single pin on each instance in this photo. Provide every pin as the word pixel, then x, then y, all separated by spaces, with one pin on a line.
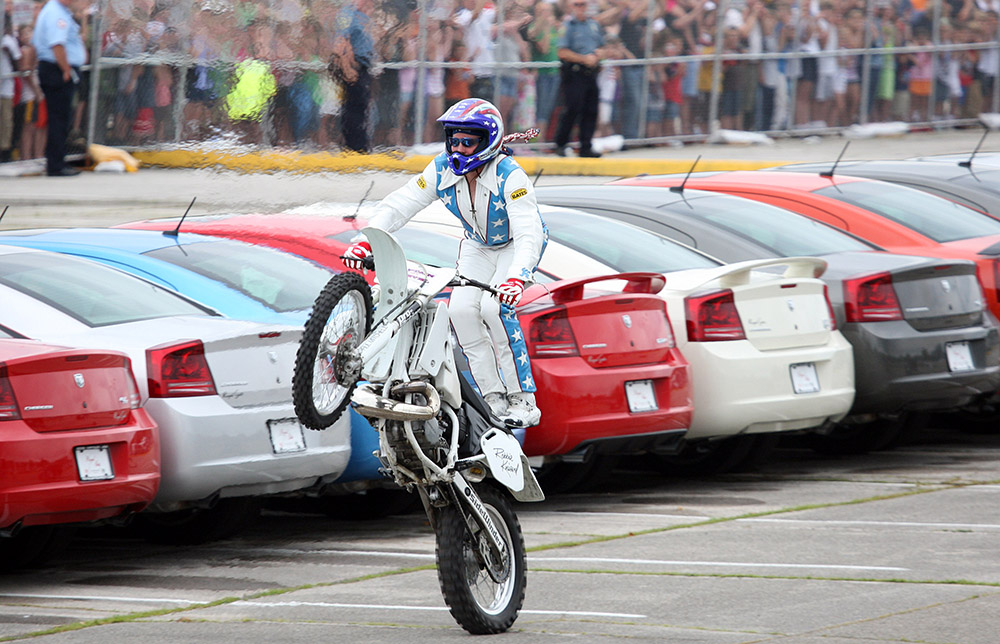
pixel 277 73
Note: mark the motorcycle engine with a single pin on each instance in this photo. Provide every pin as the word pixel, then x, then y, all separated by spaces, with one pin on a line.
pixel 432 437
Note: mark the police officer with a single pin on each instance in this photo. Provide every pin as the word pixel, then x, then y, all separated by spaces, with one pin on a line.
pixel 580 53
pixel 61 52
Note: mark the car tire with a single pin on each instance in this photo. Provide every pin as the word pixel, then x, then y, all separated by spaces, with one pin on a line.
pixel 199 525
pixel 369 505
pixel 860 438
pixel 33 546
pixel 707 458
pixel 560 477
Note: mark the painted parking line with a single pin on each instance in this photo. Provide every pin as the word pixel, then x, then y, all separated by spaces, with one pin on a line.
pixel 643 515
pixel 295 604
pixel 727 564
pixel 101 598
pixel 902 524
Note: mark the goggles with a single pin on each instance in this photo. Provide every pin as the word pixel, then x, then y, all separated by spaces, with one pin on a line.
pixel 463 141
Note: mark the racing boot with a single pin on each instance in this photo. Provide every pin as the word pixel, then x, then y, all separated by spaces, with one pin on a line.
pixel 497 403
pixel 521 408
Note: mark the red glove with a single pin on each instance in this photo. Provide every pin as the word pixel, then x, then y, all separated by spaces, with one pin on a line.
pixel 509 292
pixel 356 253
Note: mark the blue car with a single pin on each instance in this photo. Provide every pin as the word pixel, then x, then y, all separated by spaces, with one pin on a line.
pixel 237 279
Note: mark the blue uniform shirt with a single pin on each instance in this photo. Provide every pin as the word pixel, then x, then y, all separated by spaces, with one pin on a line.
pixel 56 26
pixel 582 36
pixel 354 26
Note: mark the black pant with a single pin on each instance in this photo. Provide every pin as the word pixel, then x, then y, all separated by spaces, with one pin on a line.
pixel 59 102
pixel 353 120
pixel 580 100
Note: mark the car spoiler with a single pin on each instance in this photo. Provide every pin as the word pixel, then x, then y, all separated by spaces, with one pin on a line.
pixel 738 273
pixel 572 290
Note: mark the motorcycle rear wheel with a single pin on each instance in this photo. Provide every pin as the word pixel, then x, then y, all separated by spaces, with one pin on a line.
pixel 323 378
pixel 479 604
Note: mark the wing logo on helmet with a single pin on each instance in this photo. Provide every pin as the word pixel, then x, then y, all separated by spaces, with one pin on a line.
pixel 478 117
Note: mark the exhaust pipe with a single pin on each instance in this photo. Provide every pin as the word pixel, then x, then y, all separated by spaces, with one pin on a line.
pixel 368 403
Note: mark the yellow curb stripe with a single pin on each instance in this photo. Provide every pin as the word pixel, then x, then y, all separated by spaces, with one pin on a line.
pixel 349 162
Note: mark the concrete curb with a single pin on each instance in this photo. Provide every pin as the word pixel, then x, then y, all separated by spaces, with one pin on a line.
pixel 300 162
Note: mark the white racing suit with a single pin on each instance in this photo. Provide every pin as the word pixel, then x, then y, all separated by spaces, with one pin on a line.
pixel 504 238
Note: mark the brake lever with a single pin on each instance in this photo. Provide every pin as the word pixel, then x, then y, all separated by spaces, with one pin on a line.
pixel 461 280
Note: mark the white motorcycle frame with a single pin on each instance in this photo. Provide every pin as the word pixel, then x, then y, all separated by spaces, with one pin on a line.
pixel 405 292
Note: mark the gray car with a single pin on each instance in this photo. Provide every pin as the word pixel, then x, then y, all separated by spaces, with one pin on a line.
pixel 912 321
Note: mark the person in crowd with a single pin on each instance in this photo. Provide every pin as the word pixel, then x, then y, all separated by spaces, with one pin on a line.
pixel 492 196
pixel 354 52
pixel 477 18
pixel 581 51
pixel 10 56
pixel 30 114
pixel 731 96
pixel 543 36
pixel 458 80
pixel 61 53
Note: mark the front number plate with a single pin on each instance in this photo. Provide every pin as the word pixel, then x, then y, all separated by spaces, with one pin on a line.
pixel 959 356
pixel 93 463
pixel 286 436
pixel 640 395
pixel 804 378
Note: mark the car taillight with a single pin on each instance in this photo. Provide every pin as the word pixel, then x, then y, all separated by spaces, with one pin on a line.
pixel 551 336
pixel 713 316
pixel 8 403
pixel 996 280
pixel 871 299
pixel 179 370
pixel 829 308
pixel 134 398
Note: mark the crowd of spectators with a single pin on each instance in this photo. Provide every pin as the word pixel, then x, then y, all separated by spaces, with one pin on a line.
pixel 271 71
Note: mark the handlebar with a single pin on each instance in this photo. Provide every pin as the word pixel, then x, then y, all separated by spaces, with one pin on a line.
pixel 459 280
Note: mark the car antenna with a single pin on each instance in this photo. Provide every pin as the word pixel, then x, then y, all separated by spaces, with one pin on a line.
pixel 968 162
pixel 176 231
pixel 680 188
pixel 540 171
pixel 829 173
pixel 4 212
pixel 365 196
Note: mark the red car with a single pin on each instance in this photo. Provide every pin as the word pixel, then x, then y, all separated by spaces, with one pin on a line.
pixel 897 218
pixel 75 446
pixel 610 378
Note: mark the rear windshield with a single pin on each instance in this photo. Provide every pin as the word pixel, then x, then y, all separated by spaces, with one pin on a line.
pixel 278 280
pixel 92 293
pixel 785 233
pixel 621 246
pixel 931 216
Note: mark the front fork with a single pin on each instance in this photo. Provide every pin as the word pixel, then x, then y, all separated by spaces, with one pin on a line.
pixel 488 543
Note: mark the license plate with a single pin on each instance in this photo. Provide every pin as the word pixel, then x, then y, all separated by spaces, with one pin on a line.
pixel 286 436
pixel 804 378
pixel 959 356
pixel 640 395
pixel 93 463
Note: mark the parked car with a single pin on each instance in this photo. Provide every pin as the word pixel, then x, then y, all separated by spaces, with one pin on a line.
pixel 326 229
pixel 906 330
pixel 75 446
pixel 976 186
pixel 219 389
pixel 241 281
pixel 896 218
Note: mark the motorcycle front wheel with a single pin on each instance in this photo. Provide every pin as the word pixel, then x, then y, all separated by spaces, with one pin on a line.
pixel 326 364
pixel 478 603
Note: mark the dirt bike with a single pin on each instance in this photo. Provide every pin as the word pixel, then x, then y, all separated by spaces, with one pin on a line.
pixel 437 436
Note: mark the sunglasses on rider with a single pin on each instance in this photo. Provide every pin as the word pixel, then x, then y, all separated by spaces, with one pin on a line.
pixel 470 142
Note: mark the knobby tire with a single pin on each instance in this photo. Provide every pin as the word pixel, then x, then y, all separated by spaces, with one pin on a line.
pixel 337 289
pixel 458 566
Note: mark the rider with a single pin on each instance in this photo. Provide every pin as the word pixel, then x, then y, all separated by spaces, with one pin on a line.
pixel 481 184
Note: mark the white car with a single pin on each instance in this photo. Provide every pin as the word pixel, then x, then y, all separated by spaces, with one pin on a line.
pixel 759 335
pixel 219 389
